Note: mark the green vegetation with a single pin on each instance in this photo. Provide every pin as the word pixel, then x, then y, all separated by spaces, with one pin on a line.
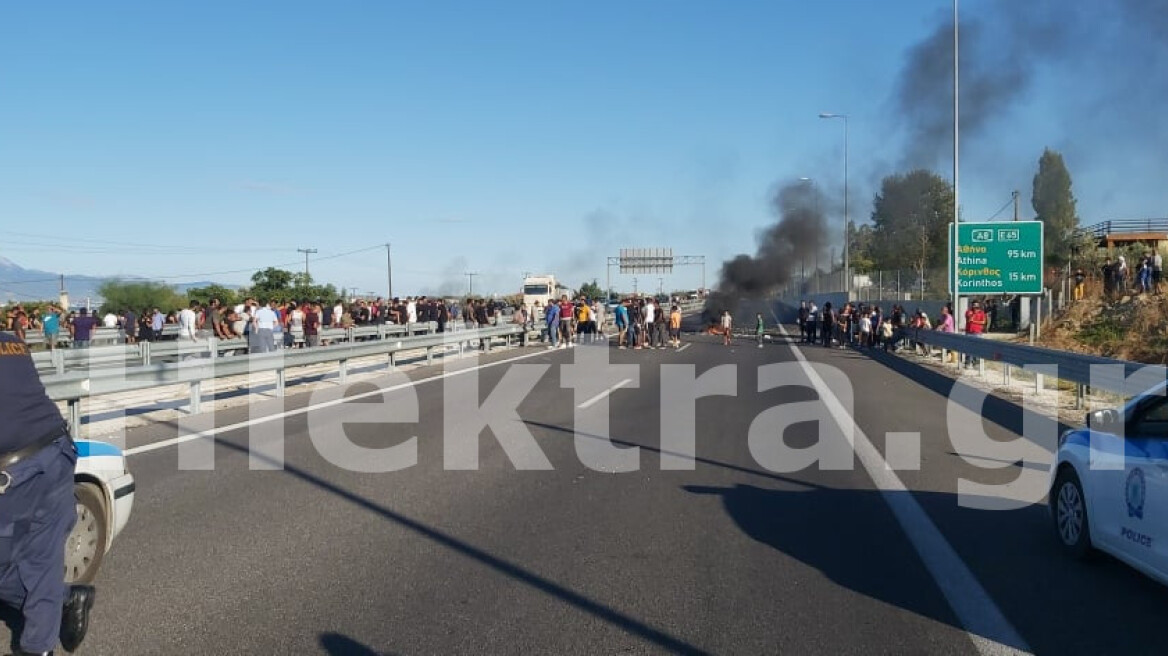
pixel 1054 205
pixel 139 296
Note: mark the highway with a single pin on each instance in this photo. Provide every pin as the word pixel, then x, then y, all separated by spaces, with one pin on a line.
pixel 727 558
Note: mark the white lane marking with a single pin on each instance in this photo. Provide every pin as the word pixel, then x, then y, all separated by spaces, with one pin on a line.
pixel 987 627
pixel 162 444
pixel 684 347
pixel 596 399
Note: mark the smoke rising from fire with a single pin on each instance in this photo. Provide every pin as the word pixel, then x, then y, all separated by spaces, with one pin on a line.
pixel 794 241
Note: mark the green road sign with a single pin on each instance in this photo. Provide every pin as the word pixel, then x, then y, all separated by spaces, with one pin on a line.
pixel 998 258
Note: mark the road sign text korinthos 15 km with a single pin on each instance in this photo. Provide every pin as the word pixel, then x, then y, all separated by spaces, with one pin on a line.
pixel 997 258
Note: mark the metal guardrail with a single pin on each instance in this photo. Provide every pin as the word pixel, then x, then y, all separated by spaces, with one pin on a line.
pixel 1128 226
pixel 121 355
pixel 73 386
pixel 1085 371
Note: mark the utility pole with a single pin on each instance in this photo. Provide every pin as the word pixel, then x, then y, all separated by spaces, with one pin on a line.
pixel 660 286
pixel 634 286
pixel 306 251
pixel 470 282
pixel 388 272
pixel 1015 205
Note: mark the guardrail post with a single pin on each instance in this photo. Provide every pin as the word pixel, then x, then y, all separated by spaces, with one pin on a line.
pixel 343 371
pixel 981 367
pixel 196 396
pixel 429 355
pixel 213 346
pixel 75 418
pixel 1038 384
pixel 1006 375
pixel 145 353
pixel 281 377
pixel 486 343
pixel 1080 395
pixel 58 356
pixel 392 360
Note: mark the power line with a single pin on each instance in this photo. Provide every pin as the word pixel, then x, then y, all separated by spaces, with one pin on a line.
pixel 1004 207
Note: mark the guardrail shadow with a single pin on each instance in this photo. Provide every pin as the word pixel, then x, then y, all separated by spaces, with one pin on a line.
pixel 629 624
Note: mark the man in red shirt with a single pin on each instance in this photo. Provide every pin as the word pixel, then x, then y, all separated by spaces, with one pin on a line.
pixel 975 325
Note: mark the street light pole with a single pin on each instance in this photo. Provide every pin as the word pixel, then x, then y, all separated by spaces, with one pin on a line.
pixel 957 314
pixel 847 219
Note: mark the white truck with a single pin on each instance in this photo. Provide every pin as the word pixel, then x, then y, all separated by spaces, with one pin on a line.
pixel 541 289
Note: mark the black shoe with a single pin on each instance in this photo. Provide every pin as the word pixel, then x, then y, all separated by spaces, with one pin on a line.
pixel 75 618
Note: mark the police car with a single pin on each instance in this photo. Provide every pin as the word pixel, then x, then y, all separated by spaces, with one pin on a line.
pixel 104 489
pixel 1109 487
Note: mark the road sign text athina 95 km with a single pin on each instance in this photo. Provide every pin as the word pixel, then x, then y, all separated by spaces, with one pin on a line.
pixel 997 258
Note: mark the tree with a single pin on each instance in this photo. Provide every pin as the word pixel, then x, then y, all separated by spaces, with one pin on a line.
pixel 139 296
pixel 271 284
pixel 1054 205
pixel 204 295
pixel 861 249
pixel 591 290
pixel 910 222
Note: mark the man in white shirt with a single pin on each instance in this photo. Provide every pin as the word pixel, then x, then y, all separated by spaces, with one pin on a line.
pixel 110 320
pixel 650 326
pixel 412 310
pixel 263 324
pixel 186 322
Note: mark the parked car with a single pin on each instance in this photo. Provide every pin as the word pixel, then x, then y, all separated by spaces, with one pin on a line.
pixel 1109 488
pixel 104 489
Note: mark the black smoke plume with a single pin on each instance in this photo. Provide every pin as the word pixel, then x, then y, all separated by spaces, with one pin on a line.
pixel 1115 50
pixel 783 249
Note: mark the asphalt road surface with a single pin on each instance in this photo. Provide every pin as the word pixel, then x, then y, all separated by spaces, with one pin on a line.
pixel 727 558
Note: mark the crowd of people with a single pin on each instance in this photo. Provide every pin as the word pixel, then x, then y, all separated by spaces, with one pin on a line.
pixel 292 324
pixel 868 327
pixel 1119 278
pixel 640 323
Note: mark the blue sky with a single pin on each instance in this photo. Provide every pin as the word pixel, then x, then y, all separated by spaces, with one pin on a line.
pixel 192 140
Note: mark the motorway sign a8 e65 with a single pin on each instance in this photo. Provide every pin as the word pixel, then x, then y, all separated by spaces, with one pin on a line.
pixel 997 258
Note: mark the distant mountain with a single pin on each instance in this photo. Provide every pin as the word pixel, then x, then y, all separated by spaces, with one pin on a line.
pixel 18 284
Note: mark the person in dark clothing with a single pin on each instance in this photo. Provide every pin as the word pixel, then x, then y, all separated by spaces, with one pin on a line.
pixel 37 508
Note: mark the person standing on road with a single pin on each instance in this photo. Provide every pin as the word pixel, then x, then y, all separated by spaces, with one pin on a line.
pixel 975 325
pixel 675 326
pixel 37 509
pixel 727 325
pixel 186 323
pixel 51 325
pixel 83 328
pixel 551 317
pixel 263 327
pixel 621 319
pixel 759 328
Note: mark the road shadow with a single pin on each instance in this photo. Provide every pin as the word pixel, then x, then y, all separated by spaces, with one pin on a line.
pixel 335 644
pixel 597 610
pixel 1057 605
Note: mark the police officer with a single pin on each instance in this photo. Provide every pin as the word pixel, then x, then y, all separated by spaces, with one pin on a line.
pixel 37 508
